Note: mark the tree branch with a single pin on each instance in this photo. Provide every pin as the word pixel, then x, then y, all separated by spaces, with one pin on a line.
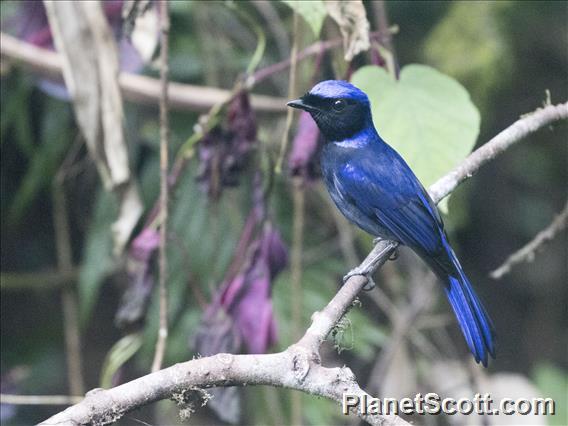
pixel 292 368
pixel 39 399
pixel 135 88
pixel 146 90
pixel 524 126
pixel 298 367
pixel 527 253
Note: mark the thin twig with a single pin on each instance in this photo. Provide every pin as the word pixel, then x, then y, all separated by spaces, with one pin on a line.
pixel 291 92
pixel 298 367
pixel 164 145
pixel 382 22
pixel 298 196
pixel 528 252
pixel 420 298
pixel 314 49
pixel 68 295
pixel 384 303
pixel 39 399
pixel 524 126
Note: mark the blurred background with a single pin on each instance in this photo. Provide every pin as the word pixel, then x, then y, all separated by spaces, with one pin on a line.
pixel 78 305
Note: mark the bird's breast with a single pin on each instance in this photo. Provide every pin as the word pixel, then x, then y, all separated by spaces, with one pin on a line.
pixel 335 166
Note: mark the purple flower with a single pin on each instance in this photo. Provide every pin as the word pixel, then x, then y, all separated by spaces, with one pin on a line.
pixel 217 333
pixel 242 123
pixel 276 251
pixel 302 160
pixel 247 297
pixel 144 245
pixel 241 315
pixel 32 25
pixel 224 151
pixel 134 303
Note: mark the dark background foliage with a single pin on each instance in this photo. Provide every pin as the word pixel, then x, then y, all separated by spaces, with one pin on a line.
pixel 511 56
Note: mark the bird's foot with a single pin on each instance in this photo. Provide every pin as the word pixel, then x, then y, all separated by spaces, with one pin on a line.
pixel 363 272
pixel 394 254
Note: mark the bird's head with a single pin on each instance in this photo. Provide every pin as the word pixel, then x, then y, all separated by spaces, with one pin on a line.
pixel 340 109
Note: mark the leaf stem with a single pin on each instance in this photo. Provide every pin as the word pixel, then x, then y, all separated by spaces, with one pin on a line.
pixel 260 37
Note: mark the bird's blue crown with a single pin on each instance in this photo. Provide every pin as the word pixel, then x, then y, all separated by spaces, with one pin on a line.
pixel 339 89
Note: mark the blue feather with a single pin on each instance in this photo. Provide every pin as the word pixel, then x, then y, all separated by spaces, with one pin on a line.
pixel 472 317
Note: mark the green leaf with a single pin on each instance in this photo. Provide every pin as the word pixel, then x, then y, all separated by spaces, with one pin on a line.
pixel 357 332
pixel 321 411
pixel 313 12
pixel 97 260
pixel 426 116
pixel 55 138
pixel 200 246
pixel 553 383
pixel 469 44
pixel 15 106
pixel 118 355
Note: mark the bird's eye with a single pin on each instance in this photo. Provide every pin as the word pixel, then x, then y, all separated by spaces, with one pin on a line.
pixel 339 105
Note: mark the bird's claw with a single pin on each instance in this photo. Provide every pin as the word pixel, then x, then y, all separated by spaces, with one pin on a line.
pixel 356 271
pixel 394 254
pixel 370 283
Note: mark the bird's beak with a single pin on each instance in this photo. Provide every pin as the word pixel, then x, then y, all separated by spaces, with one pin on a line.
pixel 300 104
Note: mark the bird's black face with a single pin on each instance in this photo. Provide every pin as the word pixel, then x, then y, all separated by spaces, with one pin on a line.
pixel 337 118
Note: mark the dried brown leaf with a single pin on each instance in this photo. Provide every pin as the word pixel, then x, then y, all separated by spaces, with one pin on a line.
pixel 90 70
pixel 351 17
pixel 141 26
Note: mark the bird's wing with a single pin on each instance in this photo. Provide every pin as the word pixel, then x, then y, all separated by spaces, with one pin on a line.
pixel 389 190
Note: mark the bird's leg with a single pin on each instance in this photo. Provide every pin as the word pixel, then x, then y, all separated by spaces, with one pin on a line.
pixel 394 254
pixel 359 270
pixel 375 258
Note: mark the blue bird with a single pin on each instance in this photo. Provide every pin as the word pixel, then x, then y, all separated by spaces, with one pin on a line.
pixel 374 188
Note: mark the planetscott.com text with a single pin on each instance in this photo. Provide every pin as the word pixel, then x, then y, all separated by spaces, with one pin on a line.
pixel 432 403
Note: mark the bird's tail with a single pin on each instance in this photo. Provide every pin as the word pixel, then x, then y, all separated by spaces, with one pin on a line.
pixel 475 324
